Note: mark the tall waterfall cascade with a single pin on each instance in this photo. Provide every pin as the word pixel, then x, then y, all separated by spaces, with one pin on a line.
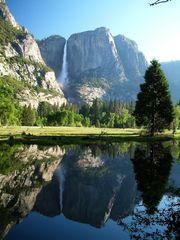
pixel 63 77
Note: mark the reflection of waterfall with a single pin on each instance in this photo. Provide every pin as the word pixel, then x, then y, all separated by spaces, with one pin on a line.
pixel 60 173
pixel 63 77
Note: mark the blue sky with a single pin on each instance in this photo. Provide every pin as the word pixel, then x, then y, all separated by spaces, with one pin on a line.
pixel 155 29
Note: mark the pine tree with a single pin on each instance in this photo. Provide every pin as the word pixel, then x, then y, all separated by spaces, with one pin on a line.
pixel 154 108
pixel 28 117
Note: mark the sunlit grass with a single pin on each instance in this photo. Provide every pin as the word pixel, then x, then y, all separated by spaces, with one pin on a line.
pixel 75 131
pixel 66 131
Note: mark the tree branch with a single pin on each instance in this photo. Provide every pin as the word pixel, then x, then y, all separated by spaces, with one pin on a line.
pixel 158 2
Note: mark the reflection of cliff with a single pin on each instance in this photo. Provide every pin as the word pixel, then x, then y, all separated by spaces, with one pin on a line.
pixel 126 198
pixel 91 184
pixel 23 172
pixel 48 199
pixel 97 187
pixel 89 202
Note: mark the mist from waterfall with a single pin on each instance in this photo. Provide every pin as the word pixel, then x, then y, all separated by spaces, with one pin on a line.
pixel 63 77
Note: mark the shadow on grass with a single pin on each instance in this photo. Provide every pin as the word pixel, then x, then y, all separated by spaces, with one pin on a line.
pixel 81 139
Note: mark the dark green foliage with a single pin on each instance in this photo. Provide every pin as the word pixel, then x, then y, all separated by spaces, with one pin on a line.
pixel 8 33
pixel 100 114
pixel 95 112
pixel 154 108
pixel 177 116
pixel 152 168
pixel 8 81
pixel 44 109
pixel 7 154
pixel 28 117
pixel 111 114
pixel 9 109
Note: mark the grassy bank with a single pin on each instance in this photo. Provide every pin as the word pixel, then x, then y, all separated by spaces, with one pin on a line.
pixel 76 134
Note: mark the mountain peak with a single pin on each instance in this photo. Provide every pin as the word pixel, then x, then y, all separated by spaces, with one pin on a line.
pixel 102 29
pixel 6 15
pixel 21 60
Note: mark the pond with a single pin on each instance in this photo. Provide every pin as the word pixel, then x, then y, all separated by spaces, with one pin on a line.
pixel 112 191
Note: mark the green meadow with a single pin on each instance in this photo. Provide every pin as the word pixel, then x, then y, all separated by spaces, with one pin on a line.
pixel 76 134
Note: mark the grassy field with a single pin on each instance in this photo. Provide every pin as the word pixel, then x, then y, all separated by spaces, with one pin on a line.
pixel 60 133
pixel 5 132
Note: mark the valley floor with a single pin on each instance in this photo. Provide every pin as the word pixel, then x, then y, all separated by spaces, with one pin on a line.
pixel 77 134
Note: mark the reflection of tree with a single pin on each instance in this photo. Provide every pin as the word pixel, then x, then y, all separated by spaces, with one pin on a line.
pixel 152 167
pixel 165 222
pixel 7 155
pixel 112 150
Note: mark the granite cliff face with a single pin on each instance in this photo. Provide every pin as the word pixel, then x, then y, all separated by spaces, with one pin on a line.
pixel 94 54
pixel 52 50
pixel 99 65
pixel 21 59
pixel 133 61
pixel 6 14
pixel 93 64
pixel 172 72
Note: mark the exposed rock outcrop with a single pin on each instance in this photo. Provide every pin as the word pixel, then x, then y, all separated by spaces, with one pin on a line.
pixel 172 72
pixel 20 58
pixel 98 60
pixel 6 14
pixel 52 50
pixel 94 54
pixel 133 60
pixel 99 65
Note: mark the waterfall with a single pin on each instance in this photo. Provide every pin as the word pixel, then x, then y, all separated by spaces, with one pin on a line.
pixel 63 77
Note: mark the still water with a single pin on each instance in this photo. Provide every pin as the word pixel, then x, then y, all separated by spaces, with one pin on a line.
pixel 79 192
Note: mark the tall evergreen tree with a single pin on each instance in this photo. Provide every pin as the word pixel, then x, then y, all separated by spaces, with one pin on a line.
pixel 28 117
pixel 154 108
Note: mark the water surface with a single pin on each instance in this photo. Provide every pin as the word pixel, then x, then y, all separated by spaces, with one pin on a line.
pixel 111 191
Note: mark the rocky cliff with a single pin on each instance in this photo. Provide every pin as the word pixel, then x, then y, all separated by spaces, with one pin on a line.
pixel 99 65
pixel 20 58
pixel 52 50
pixel 94 54
pixel 172 72
pixel 93 64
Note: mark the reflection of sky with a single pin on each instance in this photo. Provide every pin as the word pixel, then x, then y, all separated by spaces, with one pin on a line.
pixel 167 202
pixel 174 178
pixel 37 226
